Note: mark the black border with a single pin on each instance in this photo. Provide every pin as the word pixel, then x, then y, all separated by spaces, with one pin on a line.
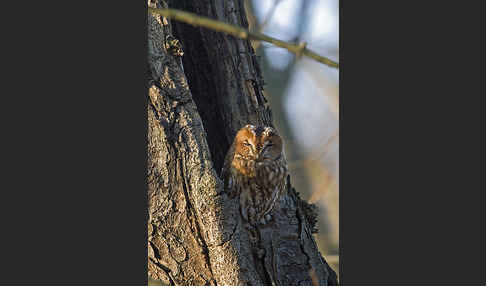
pixel 75 176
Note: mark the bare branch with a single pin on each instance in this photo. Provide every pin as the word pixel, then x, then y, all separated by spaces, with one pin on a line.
pixel 200 21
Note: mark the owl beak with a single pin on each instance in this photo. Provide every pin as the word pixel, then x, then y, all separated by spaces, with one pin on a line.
pixel 262 155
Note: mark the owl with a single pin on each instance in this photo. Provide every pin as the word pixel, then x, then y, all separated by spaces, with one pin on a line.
pixel 255 169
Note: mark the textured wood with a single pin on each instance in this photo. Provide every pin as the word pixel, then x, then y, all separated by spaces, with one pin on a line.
pixel 195 232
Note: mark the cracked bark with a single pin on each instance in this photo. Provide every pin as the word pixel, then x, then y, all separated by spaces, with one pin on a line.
pixel 195 232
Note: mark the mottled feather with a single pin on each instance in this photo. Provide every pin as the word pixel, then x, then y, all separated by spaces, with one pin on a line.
pixel 255 169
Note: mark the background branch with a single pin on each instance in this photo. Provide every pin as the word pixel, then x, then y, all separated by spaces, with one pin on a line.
pixel 200 21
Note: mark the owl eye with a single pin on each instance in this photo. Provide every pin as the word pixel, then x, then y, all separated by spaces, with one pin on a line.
pixel 246 143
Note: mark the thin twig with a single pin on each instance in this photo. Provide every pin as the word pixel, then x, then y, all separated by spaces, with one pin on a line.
pixel 201 21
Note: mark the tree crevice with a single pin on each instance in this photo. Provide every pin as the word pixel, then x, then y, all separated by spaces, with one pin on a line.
pixel 199 232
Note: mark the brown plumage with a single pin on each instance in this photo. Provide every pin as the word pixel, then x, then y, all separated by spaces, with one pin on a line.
pixel 255 169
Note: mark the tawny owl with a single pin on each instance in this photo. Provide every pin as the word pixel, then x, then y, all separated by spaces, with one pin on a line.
pixel 255 168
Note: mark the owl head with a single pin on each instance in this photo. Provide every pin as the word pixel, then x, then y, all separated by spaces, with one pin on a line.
pixel 258 143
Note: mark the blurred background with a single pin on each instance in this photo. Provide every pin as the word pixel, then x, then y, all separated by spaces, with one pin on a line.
pixel 303 95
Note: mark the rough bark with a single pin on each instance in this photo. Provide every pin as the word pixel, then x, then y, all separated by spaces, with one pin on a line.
pixel 195 232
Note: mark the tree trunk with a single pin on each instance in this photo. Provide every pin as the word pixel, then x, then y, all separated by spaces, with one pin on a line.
pixel 195 232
